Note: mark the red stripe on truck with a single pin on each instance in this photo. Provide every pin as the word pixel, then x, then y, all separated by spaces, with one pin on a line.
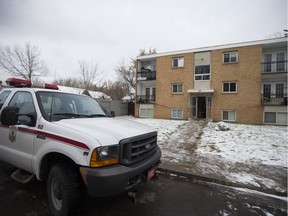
pixel 53 136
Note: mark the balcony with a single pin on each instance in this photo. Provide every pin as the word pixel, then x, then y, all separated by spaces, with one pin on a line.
pixel 274 101
pixel 146 74
pixel 145 99
pixel 274 67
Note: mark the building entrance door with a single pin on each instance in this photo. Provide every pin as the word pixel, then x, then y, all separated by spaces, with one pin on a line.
pixel 201 107
pixel 198 105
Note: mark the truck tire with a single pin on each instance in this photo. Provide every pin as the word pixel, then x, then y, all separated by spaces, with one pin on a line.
pixel 64 190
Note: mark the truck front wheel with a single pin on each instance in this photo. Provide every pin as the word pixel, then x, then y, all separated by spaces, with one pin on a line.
pixel 64 190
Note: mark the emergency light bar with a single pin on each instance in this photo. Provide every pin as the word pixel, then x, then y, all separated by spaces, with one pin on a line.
pixel 18 82
pixel 50 86
pixel 27 83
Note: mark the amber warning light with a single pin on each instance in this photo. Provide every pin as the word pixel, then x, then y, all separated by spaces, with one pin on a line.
pixel 26 83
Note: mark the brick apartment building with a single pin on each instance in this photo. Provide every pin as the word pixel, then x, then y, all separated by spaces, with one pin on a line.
pixel 242 82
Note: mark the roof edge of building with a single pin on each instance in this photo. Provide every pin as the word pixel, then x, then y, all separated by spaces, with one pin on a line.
pixel 216 47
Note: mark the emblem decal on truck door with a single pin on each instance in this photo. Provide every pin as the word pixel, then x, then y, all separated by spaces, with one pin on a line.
pixel 12 133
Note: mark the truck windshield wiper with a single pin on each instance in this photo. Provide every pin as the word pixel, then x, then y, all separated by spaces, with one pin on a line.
pixel 79 115
pixel 96 115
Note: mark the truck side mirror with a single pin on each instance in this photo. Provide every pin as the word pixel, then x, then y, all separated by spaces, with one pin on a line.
pixel 9 115
pixel 33 119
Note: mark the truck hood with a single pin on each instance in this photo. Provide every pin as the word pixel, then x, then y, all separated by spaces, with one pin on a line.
pixel 107 131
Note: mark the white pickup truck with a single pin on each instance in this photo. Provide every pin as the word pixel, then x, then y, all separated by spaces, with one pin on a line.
pixel 72 143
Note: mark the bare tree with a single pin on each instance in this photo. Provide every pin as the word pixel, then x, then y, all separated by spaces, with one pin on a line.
pixel 116 89
pixel 70 82
pixel 143 52
pixel 90 74
pixel 22 62
pixel 285 32
pixel 127 74
pixel 279 34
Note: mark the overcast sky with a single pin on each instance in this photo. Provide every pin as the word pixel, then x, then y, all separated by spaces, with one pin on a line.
pixel 106 32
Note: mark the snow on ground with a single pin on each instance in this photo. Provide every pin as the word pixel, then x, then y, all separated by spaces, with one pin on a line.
pixel 242 154
pixel 242 143
pixel 164 127
pixel 250 156
pixel 172 151
pixel 246 143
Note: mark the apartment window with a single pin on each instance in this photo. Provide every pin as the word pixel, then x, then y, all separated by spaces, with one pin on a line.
pixel 267 62
pixel 147 92
pixel 228 115
pixel 177 88
pixel 149 65
pixel 270 117
pixel 279 118
pixel 266 90
pixel 177 113
pixel 202 72
pixel 147 112
pixel 279 90
pixel 154 91
pixel 229 87
pixel 280 62
pixel 177 62
pixel 150 93
pixel 230 57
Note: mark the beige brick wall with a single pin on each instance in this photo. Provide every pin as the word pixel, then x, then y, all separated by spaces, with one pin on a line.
pixel 166 75
pixel 247 72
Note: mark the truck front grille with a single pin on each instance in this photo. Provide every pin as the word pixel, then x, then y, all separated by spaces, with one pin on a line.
pixel 135 149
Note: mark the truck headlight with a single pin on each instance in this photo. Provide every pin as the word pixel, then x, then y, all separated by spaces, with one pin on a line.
pixel 104 156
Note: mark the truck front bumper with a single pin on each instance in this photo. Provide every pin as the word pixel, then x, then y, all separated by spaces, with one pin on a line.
pixel 115 179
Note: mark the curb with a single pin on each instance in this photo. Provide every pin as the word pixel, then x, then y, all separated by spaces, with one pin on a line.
pixel 198 178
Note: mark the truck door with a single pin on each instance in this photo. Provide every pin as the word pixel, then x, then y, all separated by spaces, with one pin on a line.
pixel 17 141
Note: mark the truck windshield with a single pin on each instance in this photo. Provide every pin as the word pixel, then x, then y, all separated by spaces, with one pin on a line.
pixel 55 106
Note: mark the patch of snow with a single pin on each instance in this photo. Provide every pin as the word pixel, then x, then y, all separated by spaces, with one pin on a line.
pixel 93 94
pixel 224 213
pixel 242 144
pixel 164 127
pixel 222 126
pixel 248 178
pixel 263 144
pixel 70 89
pixel 246 191
pixel 243 178
pixel 96 94
pixel 246 143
